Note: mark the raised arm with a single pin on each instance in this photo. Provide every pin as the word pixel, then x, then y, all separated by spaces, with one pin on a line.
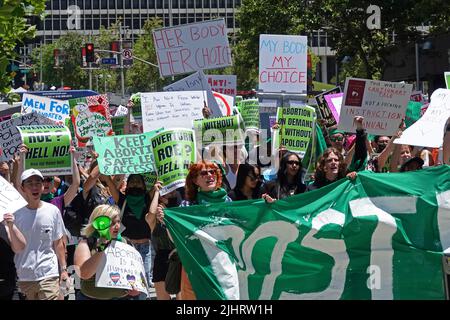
pixel 72 192
pixel 15 237
pixel 150 217
pixel 115 193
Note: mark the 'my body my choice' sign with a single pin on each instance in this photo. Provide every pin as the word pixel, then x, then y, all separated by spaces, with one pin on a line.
pixel 191 47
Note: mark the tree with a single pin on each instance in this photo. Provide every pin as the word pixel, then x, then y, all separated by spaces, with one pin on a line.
pixel 13 30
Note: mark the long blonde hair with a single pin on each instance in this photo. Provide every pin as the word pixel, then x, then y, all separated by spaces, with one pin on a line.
pixel 101 210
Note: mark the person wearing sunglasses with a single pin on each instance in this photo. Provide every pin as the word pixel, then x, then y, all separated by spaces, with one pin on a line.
pixel 203 186
pixel 337 139
pixel 248 183
pixel 289 179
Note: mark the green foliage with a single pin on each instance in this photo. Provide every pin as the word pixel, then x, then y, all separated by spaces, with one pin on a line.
pixel 13 30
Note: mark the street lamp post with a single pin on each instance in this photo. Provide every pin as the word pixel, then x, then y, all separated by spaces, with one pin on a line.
pixel 417 67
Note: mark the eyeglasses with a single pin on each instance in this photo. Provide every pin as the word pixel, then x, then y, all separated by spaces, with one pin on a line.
pixel 254 178
pixel 334 139
pixel 205 173
pixel 292 162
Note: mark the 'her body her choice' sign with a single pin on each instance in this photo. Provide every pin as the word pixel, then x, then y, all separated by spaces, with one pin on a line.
pixel 56 110
pixel 122 268
pixel 125 154
pixel 381 103
pixel 173 151
pixel 10 138
pixel 10 198
pixel 428 130
pixel 191 47
pixel 48 149
pixel 176 109
pixel 282 63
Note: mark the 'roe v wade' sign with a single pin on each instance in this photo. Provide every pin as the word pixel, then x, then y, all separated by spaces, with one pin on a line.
pixel 191 47
pixel 282 63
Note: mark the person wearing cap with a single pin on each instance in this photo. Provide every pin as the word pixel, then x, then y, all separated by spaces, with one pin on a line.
pixel 42 264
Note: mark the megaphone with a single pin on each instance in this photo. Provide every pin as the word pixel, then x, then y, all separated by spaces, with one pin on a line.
pixel 101 224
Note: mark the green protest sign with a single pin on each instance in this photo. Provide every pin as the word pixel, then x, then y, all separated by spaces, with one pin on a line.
pixel 118 123
pixel 412 113
pixel 173 152
pixel 296 128
pixel 126 154
pixel 381 236
pixel 150 179
pixel 250 113
pixel 237 102
pixel 447 79
pixel 223 130
pixel 48 149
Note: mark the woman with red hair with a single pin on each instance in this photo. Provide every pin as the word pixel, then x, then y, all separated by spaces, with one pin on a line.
pixel 203 186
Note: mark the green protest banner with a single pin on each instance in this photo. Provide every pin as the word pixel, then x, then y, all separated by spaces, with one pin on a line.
pixel 412 113
pixel 48 149
pixel 126 154
pixel 118 124
pixel 296 128
pixel 381 236
pixel 173 152
pixel 250 114
pixel 223 130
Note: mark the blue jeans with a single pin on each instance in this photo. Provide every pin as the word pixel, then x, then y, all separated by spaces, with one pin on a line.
pixel 148 257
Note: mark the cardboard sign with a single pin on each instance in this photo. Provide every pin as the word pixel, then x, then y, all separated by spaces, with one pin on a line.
pixel 175 109
pixel 48 149
pixel 250 113
pixel 173 151
pixel 125 154
pixel 191 47
pixel 324 112
pixel 122 268
pixel 334 103
pixel 283 63
pixel 10 138
pixel 10 198
pixel 428 130
pixel 225 84
pixel 222 131
pixel 56 110
pixel 118 124
pixel 224 102
pixel 198 82
pixel 381 103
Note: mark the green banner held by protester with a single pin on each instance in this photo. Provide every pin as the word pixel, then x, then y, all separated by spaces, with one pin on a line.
pixel 173 151
pixel 118 124
pixel 296 128
pixel 126 154
pixel 48 149
pixel 381 236
pixel 224 130
pixel 412 113
pixel 250 113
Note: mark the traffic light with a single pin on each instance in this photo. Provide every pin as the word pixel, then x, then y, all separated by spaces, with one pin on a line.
pixel 90 57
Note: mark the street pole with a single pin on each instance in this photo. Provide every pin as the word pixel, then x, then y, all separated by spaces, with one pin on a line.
pixel 417 67
pixel 90 75
pixel 122 76
pixel 40 72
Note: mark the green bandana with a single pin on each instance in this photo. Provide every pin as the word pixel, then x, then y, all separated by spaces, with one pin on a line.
pixel 47 197
pixel 136 205
pixel 211 197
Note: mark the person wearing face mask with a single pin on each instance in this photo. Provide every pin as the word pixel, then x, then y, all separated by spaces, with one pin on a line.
pixel 135 204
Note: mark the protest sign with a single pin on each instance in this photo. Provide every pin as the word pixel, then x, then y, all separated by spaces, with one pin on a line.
pixel 428 130
pixel 296 128
pixel 175 109
pixel 48 149
pixel 225 103
pixel 381 103
pixel 56 110
pixel 10 138
pixel 121 111
pixel 225 84
pixel 118 124
pixel 191 47
pixel 416 96
pixel 413 113
pixel 250 114
pixel 137 109
pixel 324 112
pixel 237 102
pixel 334 103
pixel 447 79
pixel 83 156
pixel 222 131
pixel 121 267
pixel 198 82
pixel 10 198
pixel 150 179
pixel 124 154
pixel 90 118
pixel 282 63
pixel 379 237
pixel 173 151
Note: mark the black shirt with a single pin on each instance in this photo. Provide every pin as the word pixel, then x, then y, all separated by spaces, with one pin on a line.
pixel 136 229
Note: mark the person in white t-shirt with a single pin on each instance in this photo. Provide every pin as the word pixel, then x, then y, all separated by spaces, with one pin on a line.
pixel 42 264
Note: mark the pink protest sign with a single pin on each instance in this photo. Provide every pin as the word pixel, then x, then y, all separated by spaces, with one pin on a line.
pixel 191 47
pixel 334 103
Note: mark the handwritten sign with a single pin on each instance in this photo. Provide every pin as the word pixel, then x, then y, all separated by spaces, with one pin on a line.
pixel 10 138
pixel 428 130
pixel 191 47
pixel 122 268
pixel 56 110
pixel 381 103
pixel 10 198
pixel 323 109
pixel 222 131
pixel 171 109
pixel 250 113
pixel 334 103
pixel 282 63
pixel 225 84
